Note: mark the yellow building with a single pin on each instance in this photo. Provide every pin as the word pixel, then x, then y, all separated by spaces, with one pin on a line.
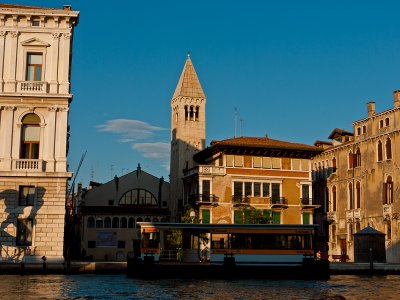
pixel 252 180
pixel 355 177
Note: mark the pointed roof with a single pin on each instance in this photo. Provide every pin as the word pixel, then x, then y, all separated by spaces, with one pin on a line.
pixel 189 84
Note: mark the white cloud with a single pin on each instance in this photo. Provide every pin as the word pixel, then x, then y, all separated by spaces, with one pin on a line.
pixel 130 130
pixel 158 150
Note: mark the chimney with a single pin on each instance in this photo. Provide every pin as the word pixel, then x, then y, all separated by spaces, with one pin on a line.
pixel 396 96
pixel 67 7
pixel 371 108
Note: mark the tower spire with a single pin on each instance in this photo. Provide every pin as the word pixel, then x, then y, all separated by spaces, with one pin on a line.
pixel 188 84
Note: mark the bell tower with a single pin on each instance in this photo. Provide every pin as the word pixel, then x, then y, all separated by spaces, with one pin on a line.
pixel 188 129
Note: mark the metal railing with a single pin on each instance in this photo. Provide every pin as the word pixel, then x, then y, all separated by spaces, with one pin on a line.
pixel 279 201
pixel 203 198
pixel 240 199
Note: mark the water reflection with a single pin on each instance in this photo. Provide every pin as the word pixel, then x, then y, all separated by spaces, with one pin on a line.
pixel 120 287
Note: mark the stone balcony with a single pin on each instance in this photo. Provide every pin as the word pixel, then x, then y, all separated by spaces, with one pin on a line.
pixel 205 170
pixel 331 217
pixel 39 87
pixel 28 165
pixel 353 215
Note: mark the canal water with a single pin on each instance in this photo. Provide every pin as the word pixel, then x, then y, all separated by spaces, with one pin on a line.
pixel 121 287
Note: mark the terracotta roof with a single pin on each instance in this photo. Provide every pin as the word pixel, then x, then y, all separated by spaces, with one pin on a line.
pixel 259 146
pixel 340 132
pixel 189 84
pixel 3 5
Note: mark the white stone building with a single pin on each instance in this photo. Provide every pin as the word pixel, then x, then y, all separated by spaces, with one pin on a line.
pixel 35 62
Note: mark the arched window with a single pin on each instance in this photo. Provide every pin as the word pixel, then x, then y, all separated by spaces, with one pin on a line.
pixel 388 191
pixel 334 164
pixel 186 113
pixel 139 219
pixel 191 112
pixel 115 222
pixel 351 160
pixel 139 197
pixel 196 114
pixel 388 149
pixel 90 222
pixel 380 151
pixel 364 129
pixel 124 223
pixel 351 199
pixel 387 122
pixel 30 137
pixel 131 222
pixel 99 223
pixel 388 230
pixel 358 195
pixel 357 162
pixel 334 198
pixel 107 222
pixel 358 130
pixel 147 219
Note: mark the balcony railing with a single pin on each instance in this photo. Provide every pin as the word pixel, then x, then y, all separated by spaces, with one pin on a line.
pixel 204 170
pixel 33 86
pixel 240 200
pixel 279 202
pixel 28 165
pixel 308 203
pixel 203 199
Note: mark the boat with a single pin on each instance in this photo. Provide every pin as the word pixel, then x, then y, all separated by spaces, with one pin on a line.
pixel 227 251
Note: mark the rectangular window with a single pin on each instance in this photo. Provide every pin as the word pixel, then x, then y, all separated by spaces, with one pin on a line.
pixel 266 163
pixel 26 195
pixel 229 160
pixel 24 232
pixel 239 161
pixel 247 188
pixel 276 163
pixel 257 162
pixel 206 189
pixel 306 218
pixel 238 188
pixel 276 190
pixel 205 216
pixel 265 191
pixel 305 165
pixel 305 192
pixel 257 189
pixel 276 217
pixel 34 67
pixel 296 164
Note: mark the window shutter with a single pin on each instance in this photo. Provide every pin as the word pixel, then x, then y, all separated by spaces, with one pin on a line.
pixel 238 217
pixel 205 216
pixel 276 217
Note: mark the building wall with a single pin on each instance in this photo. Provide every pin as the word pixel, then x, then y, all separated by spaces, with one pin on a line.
pixel 101 242
pixel 48 34
pixel 222 209
pixel 372 174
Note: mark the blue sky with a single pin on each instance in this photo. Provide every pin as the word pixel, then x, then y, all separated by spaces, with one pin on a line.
pixel 293 70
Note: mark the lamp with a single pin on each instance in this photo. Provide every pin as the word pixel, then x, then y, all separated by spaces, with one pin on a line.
pixel 192 215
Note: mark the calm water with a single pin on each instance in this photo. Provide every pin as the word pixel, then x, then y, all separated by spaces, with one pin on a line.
pixel 120 287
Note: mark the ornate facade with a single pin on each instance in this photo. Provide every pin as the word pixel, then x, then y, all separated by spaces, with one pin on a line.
pixel 356 178
pixel 35 62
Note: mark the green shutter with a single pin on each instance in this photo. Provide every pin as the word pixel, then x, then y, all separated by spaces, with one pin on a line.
pixel 238 217
pixel 276 217
pixel 306 218
pixel 205 216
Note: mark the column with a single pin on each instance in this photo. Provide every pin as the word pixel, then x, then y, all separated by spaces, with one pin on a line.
pixel 2 39
pixel 51 139
pixel 6 135
pixel 10 84
pixel 64 64
pixel 61 140
pixel 54 63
